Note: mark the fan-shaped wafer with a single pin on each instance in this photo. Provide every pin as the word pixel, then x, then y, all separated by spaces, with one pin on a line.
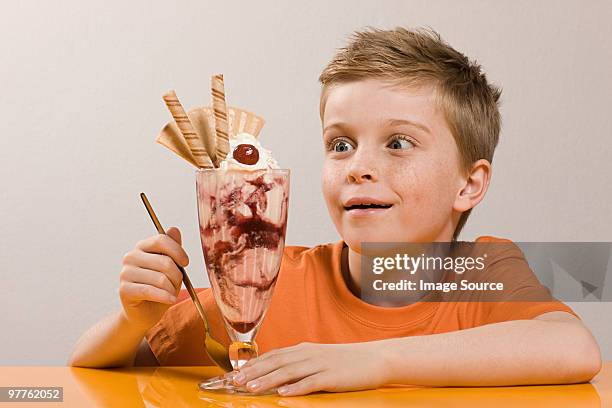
pixel 220 107
pixel 170 137
pixel 196 146
pixel 241 120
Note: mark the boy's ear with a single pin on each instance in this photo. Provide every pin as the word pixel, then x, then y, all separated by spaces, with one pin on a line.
pixel 474 186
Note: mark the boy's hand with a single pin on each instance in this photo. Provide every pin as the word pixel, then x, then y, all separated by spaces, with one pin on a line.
pixel 310 367
pixel 150 280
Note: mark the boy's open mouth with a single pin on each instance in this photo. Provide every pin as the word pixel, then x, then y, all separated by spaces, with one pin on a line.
pixel 365 204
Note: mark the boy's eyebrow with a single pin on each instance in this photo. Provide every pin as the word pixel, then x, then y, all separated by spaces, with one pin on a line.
pixel 399 122
pixel 389 122
pixel 339 125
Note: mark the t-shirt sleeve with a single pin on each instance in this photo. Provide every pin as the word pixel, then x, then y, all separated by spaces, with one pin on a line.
pixel 178 338
pixel 523 297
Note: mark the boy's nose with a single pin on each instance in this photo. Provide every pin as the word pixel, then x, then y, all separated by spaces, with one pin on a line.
pixel 357 178
pixel 360 171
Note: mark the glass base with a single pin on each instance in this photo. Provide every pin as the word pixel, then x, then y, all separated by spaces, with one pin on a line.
pixel 223 384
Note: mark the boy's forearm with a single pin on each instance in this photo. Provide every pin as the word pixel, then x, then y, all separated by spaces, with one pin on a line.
pixel 508 353
pixel 112 342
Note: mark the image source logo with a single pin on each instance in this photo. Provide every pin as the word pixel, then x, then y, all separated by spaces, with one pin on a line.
pixel 398 274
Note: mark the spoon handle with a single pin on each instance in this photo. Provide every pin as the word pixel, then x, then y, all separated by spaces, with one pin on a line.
pixel 186 279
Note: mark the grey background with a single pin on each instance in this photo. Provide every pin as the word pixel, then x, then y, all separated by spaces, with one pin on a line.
pixel 81 105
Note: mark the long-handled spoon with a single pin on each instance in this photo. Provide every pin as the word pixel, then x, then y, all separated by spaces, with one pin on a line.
pixel 215 350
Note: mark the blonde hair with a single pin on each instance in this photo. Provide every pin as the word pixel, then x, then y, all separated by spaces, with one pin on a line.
pixel 417 57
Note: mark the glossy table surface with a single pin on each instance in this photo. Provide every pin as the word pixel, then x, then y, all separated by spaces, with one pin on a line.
pixel 177 387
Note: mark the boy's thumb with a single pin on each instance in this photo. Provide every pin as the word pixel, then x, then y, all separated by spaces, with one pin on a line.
pixel 175 234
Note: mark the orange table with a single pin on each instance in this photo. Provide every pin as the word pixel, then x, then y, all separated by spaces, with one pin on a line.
pixel 177 387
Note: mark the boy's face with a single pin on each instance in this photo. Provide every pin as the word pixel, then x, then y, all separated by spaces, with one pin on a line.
pixel 389 146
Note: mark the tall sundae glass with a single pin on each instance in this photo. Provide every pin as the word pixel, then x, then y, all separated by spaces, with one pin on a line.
pixel 243 219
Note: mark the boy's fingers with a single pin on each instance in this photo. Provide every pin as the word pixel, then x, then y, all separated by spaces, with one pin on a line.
pixel 263 367
pixel 164 245
pixel 306 385
pixel 149 277
pixel 175 234
pixel 272 353
pixel 141 291
pixel 158 263
pixel 285 374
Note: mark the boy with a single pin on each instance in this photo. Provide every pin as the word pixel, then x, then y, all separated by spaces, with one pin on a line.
pixel 410 125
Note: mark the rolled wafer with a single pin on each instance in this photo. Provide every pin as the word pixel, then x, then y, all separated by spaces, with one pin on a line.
pixel 220 108
pixel 187 130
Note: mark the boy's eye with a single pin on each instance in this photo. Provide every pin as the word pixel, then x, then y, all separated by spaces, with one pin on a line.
pixel 341 146
pixel 401 143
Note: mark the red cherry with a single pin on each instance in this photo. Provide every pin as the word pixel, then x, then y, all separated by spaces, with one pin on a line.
pixel 246 154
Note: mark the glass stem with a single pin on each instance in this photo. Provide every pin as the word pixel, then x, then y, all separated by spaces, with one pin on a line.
pixel 242 351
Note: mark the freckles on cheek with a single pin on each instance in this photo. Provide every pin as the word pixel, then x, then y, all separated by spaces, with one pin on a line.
pixel 421 185
pixel 329 184
pixel 411 184
pixel 437 187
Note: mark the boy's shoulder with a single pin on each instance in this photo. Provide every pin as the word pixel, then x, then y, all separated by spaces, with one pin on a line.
pixel 495 249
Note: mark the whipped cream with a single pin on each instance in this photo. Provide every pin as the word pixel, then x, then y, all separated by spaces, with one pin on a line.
pixel 265 161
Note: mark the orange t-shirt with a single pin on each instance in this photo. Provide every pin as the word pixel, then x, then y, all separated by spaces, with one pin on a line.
pixel 312 303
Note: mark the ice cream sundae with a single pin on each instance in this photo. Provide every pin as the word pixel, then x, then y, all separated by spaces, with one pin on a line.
pixel 242 209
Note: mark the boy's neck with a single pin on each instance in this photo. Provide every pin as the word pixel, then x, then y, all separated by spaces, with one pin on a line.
pixel 349 262
pixel 350 267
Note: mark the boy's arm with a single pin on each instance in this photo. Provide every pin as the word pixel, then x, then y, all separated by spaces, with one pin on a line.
pixel 112 342
pixel 149 283
pixel 553 348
